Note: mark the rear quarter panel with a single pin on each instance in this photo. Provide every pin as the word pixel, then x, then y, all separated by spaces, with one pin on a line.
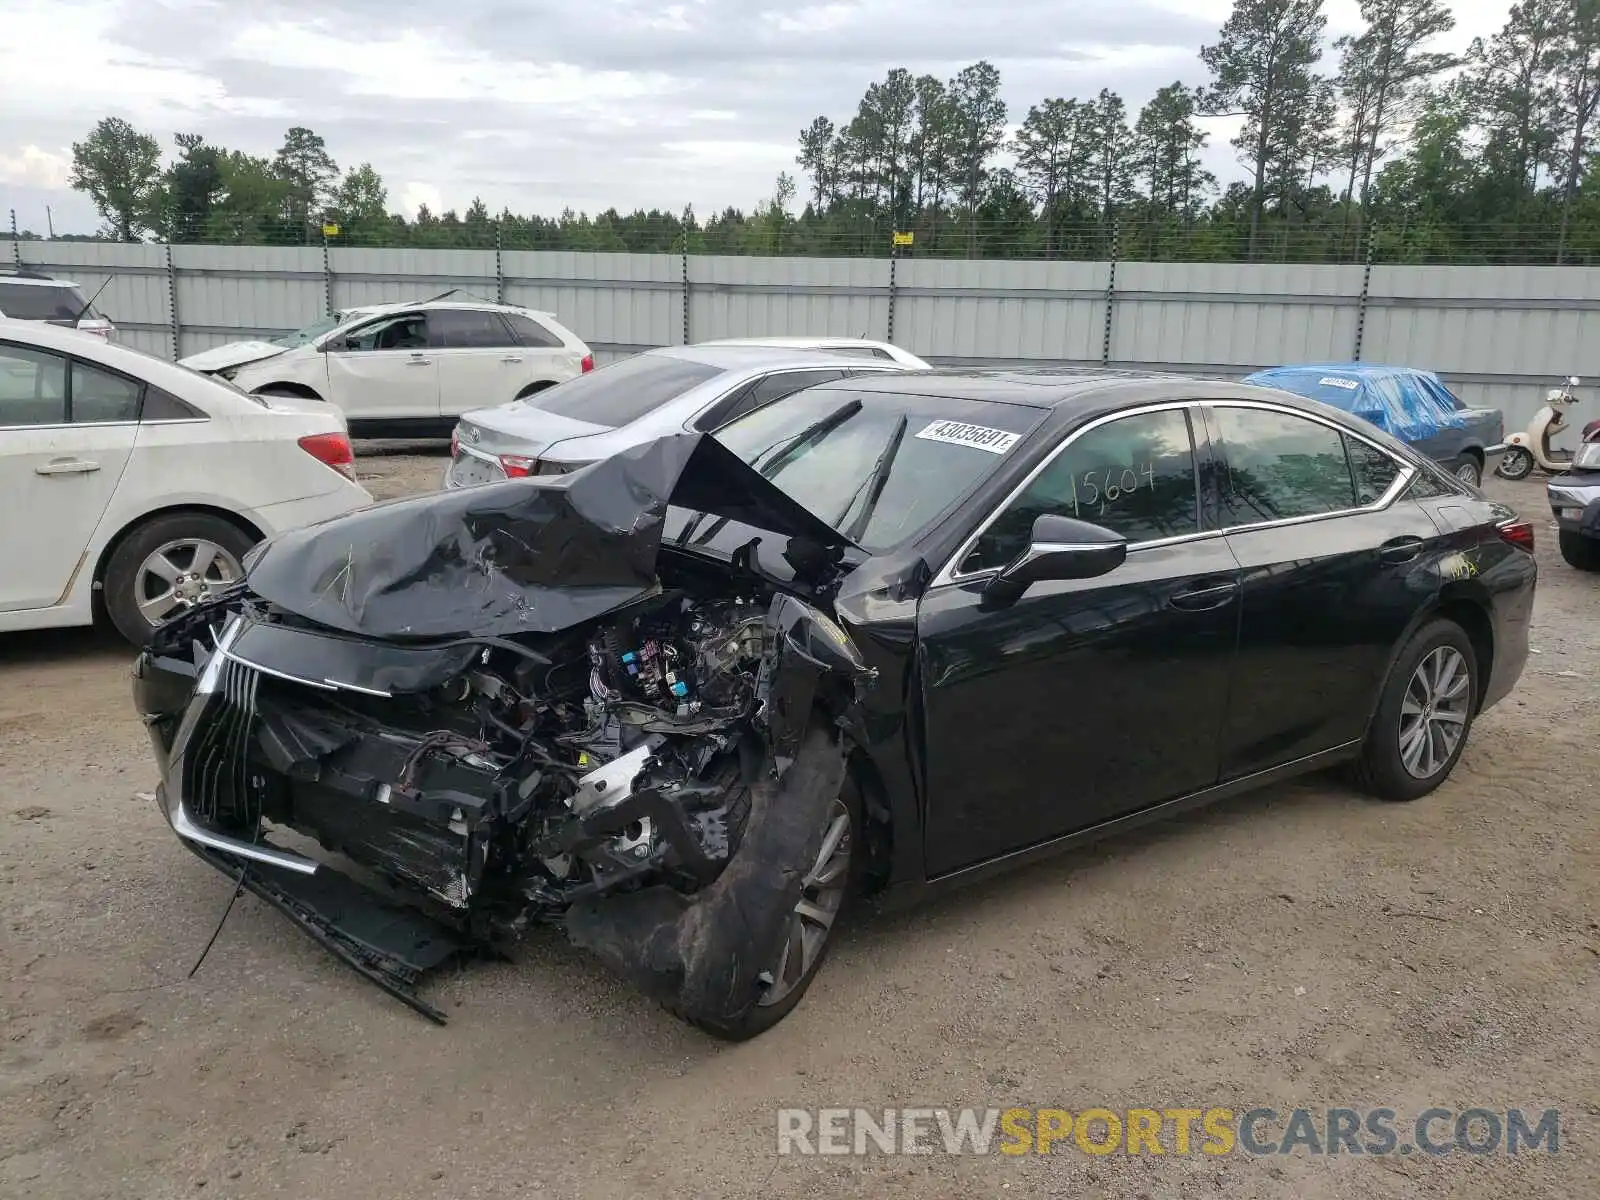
pixel 1474 565
pixel 245 464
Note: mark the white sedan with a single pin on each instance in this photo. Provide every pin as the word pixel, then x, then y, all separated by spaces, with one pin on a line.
pixel 134 486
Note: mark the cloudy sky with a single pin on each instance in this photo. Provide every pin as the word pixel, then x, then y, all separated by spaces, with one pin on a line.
pixel 542 105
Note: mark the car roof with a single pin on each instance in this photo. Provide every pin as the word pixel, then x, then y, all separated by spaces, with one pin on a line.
pixel 444 302
pixel 1077 392
pixel 35 280
pixel 1044 387
pixel 819 340
pixel 740 357
pixel 63 339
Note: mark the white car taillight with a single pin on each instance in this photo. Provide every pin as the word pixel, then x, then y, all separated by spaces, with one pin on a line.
pixel 332 450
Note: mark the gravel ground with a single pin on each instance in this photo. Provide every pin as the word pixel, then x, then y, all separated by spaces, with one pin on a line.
pixel 1299 947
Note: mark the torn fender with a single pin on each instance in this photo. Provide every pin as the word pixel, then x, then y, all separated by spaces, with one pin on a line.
pixel 702 955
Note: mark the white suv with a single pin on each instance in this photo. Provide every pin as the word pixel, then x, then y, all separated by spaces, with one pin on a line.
pixel 25 296
pixel 412 369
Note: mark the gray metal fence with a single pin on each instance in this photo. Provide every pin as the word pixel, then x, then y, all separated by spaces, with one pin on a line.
pixel 1500 335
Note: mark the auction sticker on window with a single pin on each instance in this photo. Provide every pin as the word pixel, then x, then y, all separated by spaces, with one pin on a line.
pixel 1349 385
pixel 979 437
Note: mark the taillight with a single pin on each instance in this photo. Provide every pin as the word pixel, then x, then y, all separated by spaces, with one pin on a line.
pixel 331 450
pixel 588 363
pixel 516 466
pixel 1518 534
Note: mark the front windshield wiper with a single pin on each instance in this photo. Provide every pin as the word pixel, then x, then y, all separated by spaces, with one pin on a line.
pixel 778 455
pixel 874 484
pixel 784 451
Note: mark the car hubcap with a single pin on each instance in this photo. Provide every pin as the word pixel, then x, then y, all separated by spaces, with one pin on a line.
pixel 821 896
pixel 1468 473
pixel 1433 715
pixel 181 574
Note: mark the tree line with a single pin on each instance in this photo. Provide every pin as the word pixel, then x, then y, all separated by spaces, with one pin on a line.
pixel 1376 143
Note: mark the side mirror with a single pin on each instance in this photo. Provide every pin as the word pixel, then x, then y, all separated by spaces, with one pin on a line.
pixel 1573 381
pixel 1060 548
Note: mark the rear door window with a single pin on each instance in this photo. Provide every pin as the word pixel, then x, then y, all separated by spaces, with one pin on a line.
pixel 467 329
pixel 100 397
pixel 1281 466
pixel 1373 470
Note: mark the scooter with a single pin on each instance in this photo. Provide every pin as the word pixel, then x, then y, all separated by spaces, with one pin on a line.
pixel 1531 447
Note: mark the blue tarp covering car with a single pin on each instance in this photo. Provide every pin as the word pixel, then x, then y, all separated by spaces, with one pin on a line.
pixel 1410 404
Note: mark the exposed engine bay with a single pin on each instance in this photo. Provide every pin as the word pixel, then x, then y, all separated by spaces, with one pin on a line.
pixel 601 761
pixel 599 772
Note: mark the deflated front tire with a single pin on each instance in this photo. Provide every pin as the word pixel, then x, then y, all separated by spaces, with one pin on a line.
pixel 715 958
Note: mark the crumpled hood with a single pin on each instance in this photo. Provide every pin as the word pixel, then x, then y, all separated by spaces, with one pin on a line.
pixel 532 555
pixel 234 354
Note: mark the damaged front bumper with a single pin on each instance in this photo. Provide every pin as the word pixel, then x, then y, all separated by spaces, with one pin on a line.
pixel 243 761
pixel 391 945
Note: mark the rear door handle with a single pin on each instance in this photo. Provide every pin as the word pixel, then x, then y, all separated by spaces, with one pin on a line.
pixel 418 360
pixel 1205 598
pixel 511 358
pixel 66 466
pixel 1400 549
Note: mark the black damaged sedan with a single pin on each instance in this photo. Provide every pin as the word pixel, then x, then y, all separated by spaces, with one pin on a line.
pixel 881 636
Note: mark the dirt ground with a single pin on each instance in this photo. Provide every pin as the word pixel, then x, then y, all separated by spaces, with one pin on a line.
pixel 1300 947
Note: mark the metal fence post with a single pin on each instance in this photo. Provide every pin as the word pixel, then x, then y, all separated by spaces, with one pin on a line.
pixel 686 289
pixel 1361 303
pixel 1111 294
pixel 894 258
pixel 499 270
pixel 174 327
pixel 327 274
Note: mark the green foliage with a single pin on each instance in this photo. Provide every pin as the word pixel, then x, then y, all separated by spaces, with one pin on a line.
pixel 120 170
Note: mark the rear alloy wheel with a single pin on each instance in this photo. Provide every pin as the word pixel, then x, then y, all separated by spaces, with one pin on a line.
pixel 1579 551
pixel 1517 463
pixel 1469 471
pixel 1424 715
pixel 168 565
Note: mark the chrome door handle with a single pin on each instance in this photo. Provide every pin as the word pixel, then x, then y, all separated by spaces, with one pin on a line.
pixel 1400 549
pixel 416 360
pixel 511 358
pixel 66 466
pixel 1206 598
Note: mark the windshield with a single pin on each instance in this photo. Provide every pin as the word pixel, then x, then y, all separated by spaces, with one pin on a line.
pixel 624 391
pixel 877 466
pixel 302 337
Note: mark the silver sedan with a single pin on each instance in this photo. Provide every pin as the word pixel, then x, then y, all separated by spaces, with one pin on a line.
pixel 637 399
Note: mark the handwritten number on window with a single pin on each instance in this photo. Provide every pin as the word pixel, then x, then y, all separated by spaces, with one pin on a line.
pixel 1097 489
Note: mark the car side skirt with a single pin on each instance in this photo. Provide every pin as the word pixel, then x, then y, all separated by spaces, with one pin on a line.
pixel 912 892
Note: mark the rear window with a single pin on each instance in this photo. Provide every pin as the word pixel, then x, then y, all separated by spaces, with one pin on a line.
pixel 624 391
pixel 42 302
